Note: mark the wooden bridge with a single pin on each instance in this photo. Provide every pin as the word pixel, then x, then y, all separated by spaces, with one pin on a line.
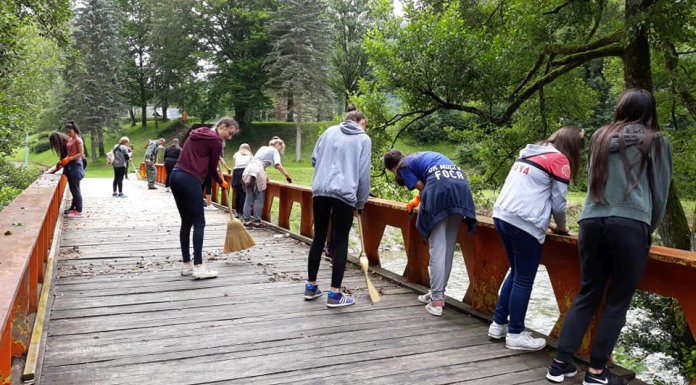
pixel 99 299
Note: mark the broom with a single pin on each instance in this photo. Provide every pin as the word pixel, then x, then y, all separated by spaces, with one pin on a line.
pixel 237 238
pixel 374 294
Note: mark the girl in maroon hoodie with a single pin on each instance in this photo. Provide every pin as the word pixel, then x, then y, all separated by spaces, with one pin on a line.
pixel 199 157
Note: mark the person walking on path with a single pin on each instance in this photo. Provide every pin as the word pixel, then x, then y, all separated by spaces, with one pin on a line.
pixel 241 159
pixel 72 167
pixel 121 157
pixel 534 191
pixel 341 185
pixel 445 202
pixel 616 224
pixel 254 178
pixel 150 159
pixel 199 157
pixel 171 155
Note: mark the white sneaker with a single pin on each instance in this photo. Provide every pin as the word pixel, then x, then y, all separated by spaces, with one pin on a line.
pixel 166 189
pixel 187 269
pixel 435 308
pixel 425 298
pixel 524 341
pixel 203 272
pixel 497 331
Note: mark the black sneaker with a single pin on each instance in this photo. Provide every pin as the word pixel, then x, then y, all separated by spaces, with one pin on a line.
pixel 559 371
pixel 604 378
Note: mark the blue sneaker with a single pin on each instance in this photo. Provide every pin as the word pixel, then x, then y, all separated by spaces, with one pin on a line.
pixel 339 300
pixel 559 371
pixel 311 292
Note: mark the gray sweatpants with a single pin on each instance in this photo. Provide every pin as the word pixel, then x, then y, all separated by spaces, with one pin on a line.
pixel 442 240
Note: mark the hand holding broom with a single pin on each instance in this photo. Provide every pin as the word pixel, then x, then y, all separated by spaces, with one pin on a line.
pixel 237 238
pixel 374 294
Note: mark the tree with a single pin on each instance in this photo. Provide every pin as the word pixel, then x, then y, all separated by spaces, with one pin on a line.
pixel 298 64
pixel 137 70
pixel 233 34
pixel 351 21
pixel 94 81
pixel 26 28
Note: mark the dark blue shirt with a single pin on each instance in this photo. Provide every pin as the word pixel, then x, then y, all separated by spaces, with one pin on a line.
pixel 418 165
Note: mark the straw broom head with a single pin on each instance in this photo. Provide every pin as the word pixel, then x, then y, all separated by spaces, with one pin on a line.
pixel 237 237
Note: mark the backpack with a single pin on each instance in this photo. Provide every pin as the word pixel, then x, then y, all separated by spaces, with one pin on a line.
pixel 110 157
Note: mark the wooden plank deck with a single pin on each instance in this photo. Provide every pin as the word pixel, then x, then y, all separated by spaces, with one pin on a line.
pixel 122 314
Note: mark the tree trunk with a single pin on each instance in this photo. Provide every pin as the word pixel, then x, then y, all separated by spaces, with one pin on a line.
pixel 131 113
pixel 674 230
pixel 100 143
pixel 143 115
pixel 298 133
pixel 165 106
pixel 243 115
pixel 290 110
pixel 93 144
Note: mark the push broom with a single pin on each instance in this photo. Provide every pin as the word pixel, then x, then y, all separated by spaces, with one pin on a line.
pixel 374 294
pixel 237 237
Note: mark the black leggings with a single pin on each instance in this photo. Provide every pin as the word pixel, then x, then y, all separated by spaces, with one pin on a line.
pixel 613 253
pixel 119 173
pixel 341 215
pixel 189 201
pixel 169 166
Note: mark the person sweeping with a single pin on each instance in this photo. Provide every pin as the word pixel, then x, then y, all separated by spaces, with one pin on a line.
pixel 445 202
pixel 199 157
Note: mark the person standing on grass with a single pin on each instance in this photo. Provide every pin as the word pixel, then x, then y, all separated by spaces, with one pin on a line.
pixel 150 159
pixel 241 159
pixel 171 155
pixel 629 174
pixel 120 161
pixel 199 158
pixel 342 159
pixel 445 202
pixel 534 191
pixel 254 178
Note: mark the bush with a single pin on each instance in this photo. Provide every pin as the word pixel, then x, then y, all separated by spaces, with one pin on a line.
pixel 40 147
pixel 13 180
pixel 435 128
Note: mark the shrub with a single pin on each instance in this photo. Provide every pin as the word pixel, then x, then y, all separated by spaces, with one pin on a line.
pixel 13 180
pixel 40 147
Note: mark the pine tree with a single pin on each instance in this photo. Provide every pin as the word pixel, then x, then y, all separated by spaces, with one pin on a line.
pixel 298 64
pixel 93 75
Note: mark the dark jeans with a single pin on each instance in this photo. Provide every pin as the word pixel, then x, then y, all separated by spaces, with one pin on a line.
pixel 119 173
pixel 189 201
pixel 74 172
pixel 168 166
pixel 613 253
pixel 341 216
pixel 524 253
pixel 239 190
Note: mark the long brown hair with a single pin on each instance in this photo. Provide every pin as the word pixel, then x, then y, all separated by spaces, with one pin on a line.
pixel 635 107
pixel 394 160
pixel 569 141
pixel 58 142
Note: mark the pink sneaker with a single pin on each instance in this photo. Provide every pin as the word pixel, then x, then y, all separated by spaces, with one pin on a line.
pixel 75 214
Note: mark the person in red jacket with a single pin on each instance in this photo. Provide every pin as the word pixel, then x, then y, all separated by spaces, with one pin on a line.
pixel 199 157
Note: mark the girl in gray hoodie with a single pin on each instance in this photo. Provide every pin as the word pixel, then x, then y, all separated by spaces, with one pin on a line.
pixel 341 184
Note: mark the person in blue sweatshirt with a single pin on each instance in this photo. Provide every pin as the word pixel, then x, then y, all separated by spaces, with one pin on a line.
pixel 445 202
pixel 534 191
pixel 341 184
pixel 629 175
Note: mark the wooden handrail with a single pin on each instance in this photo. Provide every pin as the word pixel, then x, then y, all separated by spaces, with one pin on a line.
pixel 27 226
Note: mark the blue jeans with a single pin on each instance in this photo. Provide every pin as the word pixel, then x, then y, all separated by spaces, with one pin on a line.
pixel 524 253
pixel 74 172
pixel 189 200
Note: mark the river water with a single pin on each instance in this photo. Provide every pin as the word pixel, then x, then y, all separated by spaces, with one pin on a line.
pixel 542 312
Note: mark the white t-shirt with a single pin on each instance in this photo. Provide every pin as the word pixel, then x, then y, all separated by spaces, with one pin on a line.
pixel 241 160
pixel 268 155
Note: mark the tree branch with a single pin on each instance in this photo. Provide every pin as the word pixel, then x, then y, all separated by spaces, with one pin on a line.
pixel 457 107
pixel 558 9
pixel 609 50
pixel 423 115
pixel 531 73
pixel 672 64
pixel 598 18
pixel 561 49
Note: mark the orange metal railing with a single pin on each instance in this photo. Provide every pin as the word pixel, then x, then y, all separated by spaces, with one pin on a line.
pixel 27 226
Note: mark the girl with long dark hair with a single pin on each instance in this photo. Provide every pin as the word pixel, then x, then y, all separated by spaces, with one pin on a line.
pixel 630 171
pixel 71 150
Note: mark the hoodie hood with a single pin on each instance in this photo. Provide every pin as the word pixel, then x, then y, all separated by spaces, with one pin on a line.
pixel 633 136
pixel 349 127
pixel 536 149
pixel 204 133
